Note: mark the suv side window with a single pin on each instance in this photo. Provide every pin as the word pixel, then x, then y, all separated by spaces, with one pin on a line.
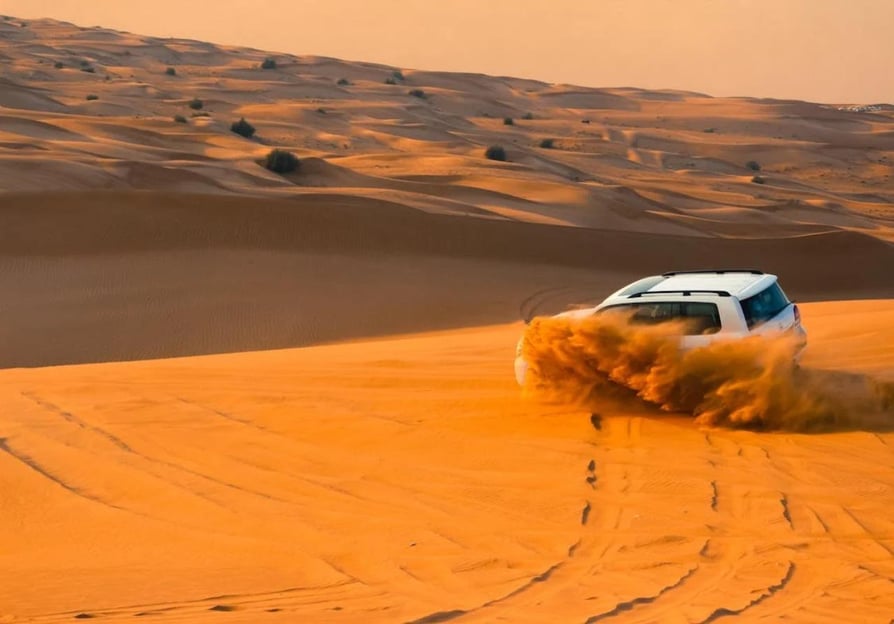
pixel 702 318
pixel 763 306
pixel 699 318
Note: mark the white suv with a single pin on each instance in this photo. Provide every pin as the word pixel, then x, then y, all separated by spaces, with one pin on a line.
pixel 718 304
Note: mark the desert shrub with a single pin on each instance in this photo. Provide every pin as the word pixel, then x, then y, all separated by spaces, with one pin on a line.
pixel 243 128
pixel 753 165
pixel 390 80
pixel 321 110
pixel 59 65
pixel 170 71
pixel 281 161
pixel 92 97
pixel 528 116
pixel 508 121
pixel 586 121
pixel 85 63
pixel 196 104
pixel 89 70
pixel 397 76
pixel 343 82
pixel 268 63
pixel 758 180
pixel 417 93
pixel 548 143
pixel 179 118
pixel 495 152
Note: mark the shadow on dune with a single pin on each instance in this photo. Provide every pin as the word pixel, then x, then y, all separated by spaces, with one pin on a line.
pixel 89 277
pixel 751 383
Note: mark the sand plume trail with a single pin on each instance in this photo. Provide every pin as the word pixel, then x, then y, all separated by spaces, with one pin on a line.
pixel 750 383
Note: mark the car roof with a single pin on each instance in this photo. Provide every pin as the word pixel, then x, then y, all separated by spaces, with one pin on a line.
pixel 739 283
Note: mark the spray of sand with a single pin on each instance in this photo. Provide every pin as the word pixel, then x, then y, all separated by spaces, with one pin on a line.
pixel 750 383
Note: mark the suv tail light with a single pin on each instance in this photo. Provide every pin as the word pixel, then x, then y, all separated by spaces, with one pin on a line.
pixel 797 314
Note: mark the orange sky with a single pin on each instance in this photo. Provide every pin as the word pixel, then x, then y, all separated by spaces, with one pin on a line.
pixel 821 50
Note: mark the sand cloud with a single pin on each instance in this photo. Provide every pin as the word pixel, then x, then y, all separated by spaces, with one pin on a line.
pixel 750 383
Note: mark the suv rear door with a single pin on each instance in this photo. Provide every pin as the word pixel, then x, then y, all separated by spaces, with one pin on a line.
pixel 769 311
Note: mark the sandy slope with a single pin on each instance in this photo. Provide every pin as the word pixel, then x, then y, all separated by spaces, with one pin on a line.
pixel 623 159
pixel 118 276
pixel 406 480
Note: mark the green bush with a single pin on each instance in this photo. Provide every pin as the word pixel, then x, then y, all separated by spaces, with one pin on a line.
pixel 281 161
pixel 196 104
pixel 92 97
pixel 753 165
pixel 59 65
pixel 390 80
pixel 170 71
pixel 343 82
pixel 180 119
pixel 508 121
pixel 548 143
pixel 417 93
pixel 243 128
pixel 495 152
pixel 397 76
pixel 268 63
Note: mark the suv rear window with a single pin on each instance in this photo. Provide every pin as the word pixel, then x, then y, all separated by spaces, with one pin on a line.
pixel 763 306
pixel 700 318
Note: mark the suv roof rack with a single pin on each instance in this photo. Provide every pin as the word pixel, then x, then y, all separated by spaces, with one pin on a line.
pixel 718 271
pixel 685 293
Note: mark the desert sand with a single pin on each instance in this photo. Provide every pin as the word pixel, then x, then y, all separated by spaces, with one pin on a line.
pixel 230 395
pixel 406 480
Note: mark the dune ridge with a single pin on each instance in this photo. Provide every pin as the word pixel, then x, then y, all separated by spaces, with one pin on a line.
pixel 621 159
pixel 127 275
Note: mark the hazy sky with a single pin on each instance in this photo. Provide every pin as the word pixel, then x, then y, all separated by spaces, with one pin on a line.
pixel 821 50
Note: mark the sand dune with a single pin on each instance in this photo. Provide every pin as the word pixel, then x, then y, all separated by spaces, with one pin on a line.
pixel 406 478
pixel 92 277
pixel 605 141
